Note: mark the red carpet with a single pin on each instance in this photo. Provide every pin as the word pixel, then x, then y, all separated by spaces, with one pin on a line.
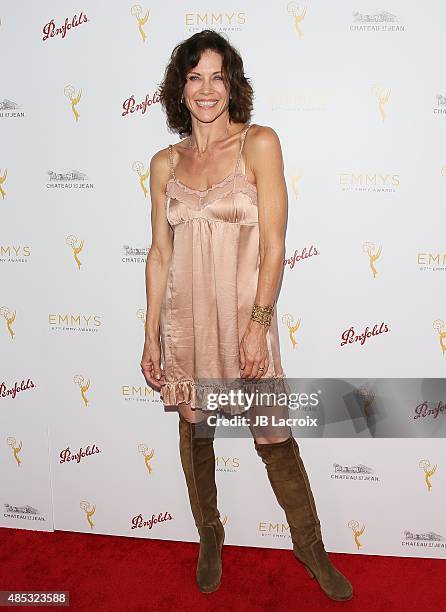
pixel 128 574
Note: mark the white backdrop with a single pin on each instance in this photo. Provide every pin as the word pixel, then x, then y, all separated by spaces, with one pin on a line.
pixel 357 96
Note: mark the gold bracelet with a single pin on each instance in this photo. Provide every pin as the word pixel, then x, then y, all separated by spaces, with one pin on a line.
pixel 262 314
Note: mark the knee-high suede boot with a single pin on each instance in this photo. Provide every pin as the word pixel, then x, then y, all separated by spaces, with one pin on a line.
pixel 198 461
pixel 289 480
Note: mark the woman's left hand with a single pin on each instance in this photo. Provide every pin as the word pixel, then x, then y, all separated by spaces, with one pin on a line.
pixel 254 351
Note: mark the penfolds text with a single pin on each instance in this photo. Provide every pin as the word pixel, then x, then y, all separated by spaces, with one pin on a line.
pixel 66 455
pixel 131 106
pixel 350 335
pixel 304 254
pixel 50 29
pixel 13 391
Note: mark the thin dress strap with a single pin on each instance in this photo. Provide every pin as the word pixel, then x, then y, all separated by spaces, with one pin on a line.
pixel 242 139
pixel 172 171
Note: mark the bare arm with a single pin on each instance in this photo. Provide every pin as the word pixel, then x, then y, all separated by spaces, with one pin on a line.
pixel 272 201
pixel 265 155
pixel 159 256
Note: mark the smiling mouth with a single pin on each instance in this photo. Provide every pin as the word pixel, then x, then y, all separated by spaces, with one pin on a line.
pixel 206 103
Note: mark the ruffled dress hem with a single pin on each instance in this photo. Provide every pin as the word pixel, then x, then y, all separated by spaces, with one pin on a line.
pixel 194 392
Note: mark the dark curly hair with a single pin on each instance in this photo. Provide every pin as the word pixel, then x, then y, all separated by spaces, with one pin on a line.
pixel 186 56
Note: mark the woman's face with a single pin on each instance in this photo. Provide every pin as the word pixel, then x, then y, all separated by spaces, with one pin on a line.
pixel 205 93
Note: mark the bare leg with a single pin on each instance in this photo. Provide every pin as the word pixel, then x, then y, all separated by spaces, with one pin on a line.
pixel 269 433
pixel 191 415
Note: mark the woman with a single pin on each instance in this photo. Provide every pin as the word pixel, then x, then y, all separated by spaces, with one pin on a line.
pixel 219 206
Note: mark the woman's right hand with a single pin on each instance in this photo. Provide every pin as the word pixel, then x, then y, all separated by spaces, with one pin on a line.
pixel 151 364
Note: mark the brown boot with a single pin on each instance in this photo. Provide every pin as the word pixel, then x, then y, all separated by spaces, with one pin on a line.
pixel 289 480
pixel 198 461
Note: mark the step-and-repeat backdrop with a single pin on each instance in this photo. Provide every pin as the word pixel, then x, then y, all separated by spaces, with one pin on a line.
pixel 358 98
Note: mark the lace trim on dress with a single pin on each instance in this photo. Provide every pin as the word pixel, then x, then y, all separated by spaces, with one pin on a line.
pixel 176 189
pixel 233 174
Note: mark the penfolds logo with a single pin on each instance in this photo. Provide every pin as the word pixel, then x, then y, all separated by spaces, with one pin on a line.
pixel 138 521
pixel 304 254
pixel 66 455
pixel 350 335
pixel 16 389
pixel 131 106
pixel 423 410
pixel 50 29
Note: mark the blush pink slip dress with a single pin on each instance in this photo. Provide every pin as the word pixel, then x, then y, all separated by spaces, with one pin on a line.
pixel 211 288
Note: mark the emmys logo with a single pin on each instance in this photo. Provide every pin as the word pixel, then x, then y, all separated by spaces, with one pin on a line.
pixel 300 256
pixel 366 397
pixel 66 455
pixel 83 386
pixel 148 455
pixel 302 99
pixel 376 22
pixel 2 182
pixel 227 464
pixel 71 179
pixel 373 255
pixel 143 175
pixel 14 254
pixel 134 255
pixel 76 247
pixel 9 319
pixel 373 182
pixel 50 29
pixel 136 11
pixel 138 521
pixel 383 97
pixel 350 336
pixel 298 16
pixel 132 393
pixel 353 472
pixel 433 262
pixel 288 320
pixel 69 93
pixel 273 530
pixel 16 389
pixel 71 322
pixel 354 526
pixel 428 472
pixel 295 178
pixel 131 106
pixel 8 108
pixel 89 511
pixel 196 21
pixel 16 448
pixel 439 327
